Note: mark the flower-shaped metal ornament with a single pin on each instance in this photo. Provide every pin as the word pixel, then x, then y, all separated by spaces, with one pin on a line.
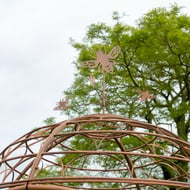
pixel 144 95
pixel 62 105
pixel 92 80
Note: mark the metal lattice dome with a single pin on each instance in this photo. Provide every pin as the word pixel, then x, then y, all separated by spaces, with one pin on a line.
pixel 99 151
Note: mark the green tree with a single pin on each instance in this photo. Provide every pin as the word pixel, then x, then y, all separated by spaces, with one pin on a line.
pixel 154 57
pixel 49 121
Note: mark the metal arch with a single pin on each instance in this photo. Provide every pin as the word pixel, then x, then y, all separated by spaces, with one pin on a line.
pixel 133 165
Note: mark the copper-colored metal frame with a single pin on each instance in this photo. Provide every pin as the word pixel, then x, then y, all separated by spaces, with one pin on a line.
pixel 134 150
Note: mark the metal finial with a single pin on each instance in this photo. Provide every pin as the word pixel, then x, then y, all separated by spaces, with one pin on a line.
pixel 105 62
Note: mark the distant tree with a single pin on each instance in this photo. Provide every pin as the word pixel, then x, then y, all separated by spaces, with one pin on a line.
pixel 49 121
pixel 154 57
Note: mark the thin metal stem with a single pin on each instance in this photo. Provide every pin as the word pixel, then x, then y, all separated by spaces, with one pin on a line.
pixel 103 92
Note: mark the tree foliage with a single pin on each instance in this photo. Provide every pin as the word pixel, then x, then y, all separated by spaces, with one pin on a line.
pixel 154 57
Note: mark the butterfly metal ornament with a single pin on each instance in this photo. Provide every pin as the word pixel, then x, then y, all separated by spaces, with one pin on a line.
pixel 103 60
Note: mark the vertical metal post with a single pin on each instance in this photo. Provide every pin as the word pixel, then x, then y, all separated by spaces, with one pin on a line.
pixel 103 92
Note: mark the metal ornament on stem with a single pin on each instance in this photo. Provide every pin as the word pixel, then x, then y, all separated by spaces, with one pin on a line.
pixel 106 63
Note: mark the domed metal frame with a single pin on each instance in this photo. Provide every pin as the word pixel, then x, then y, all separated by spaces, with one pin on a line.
pixel 99 151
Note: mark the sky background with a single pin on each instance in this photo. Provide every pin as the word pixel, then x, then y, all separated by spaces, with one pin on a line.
pixel 36 57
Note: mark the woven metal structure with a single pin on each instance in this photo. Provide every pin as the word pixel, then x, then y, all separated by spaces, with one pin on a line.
pixel 99 151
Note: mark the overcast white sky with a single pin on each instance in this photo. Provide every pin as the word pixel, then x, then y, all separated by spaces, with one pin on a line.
pixel 35 56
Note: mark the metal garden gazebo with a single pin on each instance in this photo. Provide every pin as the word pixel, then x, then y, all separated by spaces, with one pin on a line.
pixel 99 151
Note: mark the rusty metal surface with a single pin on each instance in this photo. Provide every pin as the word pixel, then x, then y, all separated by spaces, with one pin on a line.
pixel 100 151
